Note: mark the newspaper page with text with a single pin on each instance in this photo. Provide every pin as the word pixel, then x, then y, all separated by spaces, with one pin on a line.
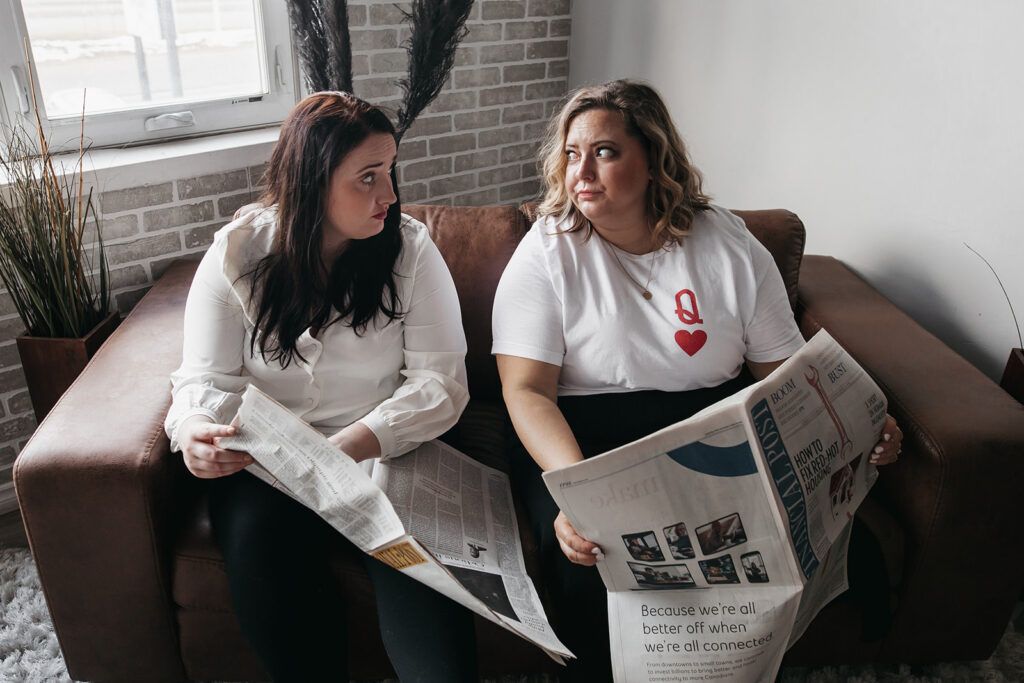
pixel 725 534
pixel 461 510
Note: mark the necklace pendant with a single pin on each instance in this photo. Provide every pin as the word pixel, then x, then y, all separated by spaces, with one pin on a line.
pixel 647 295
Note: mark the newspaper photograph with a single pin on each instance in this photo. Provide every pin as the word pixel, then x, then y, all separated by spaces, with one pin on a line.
pixel 726 533
pixel 433 513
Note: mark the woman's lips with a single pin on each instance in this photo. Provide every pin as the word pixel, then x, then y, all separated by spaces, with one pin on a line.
pixel 380 216
pixel 587 194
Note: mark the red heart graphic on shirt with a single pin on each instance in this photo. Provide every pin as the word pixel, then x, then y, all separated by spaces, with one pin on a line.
pixel 691 342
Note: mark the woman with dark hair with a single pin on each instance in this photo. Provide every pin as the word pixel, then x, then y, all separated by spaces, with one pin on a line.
pixel 586 317
pixel 339 307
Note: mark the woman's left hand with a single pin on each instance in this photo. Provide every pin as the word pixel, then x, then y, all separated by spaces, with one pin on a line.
pixel 887 451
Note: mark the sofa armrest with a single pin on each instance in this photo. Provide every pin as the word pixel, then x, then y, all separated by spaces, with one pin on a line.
pixel 955 489
pixel 96 485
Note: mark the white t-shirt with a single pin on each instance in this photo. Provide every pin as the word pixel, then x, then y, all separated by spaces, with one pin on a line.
pixel 717 300
pixel 405 379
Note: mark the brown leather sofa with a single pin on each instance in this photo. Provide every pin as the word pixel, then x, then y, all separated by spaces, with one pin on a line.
pixel 137 589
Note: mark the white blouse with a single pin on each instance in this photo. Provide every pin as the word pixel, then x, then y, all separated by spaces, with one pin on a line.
pixel 404 379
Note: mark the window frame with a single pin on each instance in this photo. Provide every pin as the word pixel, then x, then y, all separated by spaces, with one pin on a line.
pixel 127 128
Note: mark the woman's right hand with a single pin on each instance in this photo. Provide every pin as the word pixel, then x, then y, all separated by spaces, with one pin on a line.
pixel 575 547
pixel 197 437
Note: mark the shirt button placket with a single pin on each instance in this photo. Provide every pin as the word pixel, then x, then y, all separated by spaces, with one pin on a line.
pixel 313 387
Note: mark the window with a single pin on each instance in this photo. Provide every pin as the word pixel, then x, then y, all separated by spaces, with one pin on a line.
pixel 145 70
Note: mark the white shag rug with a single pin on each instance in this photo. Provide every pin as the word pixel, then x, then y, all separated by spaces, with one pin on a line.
pixel 29 652
pixel 28 645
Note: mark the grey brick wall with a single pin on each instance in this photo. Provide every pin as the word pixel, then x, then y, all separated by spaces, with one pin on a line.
pixel 475 145
pixel 510 73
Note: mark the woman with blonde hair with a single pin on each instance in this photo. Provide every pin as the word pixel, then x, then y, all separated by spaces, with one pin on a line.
pixel 627 250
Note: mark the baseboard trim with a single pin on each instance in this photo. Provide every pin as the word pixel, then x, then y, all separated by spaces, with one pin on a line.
pixel 8 498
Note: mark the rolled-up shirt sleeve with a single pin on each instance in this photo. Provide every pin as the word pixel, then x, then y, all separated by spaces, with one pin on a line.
pixel 209 380
pixel 435 391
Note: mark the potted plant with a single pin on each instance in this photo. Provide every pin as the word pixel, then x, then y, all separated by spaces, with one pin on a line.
pixel 58 281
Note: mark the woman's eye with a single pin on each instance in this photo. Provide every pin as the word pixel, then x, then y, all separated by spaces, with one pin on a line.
pixel 367 179
pixel 605 152
pixel 571 154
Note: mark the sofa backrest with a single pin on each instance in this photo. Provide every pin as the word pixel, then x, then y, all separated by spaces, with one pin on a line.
pixel 782 232
pixel 477 243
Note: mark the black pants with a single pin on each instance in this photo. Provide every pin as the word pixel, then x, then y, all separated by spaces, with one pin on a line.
pixel 292 611
pixel 601 422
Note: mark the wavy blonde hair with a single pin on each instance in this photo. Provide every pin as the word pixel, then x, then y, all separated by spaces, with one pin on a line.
pixel 674 195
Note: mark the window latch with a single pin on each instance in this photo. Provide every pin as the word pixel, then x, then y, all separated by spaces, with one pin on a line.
pixel 177 119
pixel 20 88
pixel 278 69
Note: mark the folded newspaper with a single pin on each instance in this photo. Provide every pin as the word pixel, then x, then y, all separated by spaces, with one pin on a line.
pixel 725 534
pixel 434 513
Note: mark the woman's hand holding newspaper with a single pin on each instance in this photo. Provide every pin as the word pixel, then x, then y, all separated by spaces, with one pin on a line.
pixel 575 547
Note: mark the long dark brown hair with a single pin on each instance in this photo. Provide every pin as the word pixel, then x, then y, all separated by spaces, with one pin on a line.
pixel 287 284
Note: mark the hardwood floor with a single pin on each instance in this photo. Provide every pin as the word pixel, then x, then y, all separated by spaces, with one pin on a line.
pixel 12 533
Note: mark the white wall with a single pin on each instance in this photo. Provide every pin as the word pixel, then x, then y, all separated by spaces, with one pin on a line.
pixel 894 129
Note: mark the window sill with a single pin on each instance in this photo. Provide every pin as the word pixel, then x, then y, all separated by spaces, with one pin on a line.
pixel 115 169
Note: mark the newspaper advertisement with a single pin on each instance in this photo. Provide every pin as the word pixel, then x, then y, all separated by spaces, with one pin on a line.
pixel 726 533
pixel 434 513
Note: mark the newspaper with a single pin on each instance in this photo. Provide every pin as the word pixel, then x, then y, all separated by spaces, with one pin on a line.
pixel 435 514
pixel 725 534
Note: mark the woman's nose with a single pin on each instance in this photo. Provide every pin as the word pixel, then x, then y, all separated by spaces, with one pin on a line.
pixel 389 195
pixel 586 167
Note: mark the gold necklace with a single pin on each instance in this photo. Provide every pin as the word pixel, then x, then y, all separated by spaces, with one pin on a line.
pixel 645 288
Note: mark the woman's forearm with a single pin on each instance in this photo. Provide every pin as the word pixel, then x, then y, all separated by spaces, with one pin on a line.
pixel 358 441
pixel 542 429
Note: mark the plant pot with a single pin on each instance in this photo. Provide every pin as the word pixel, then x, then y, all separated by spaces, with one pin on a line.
pixel 1013 376
pixel 51 364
